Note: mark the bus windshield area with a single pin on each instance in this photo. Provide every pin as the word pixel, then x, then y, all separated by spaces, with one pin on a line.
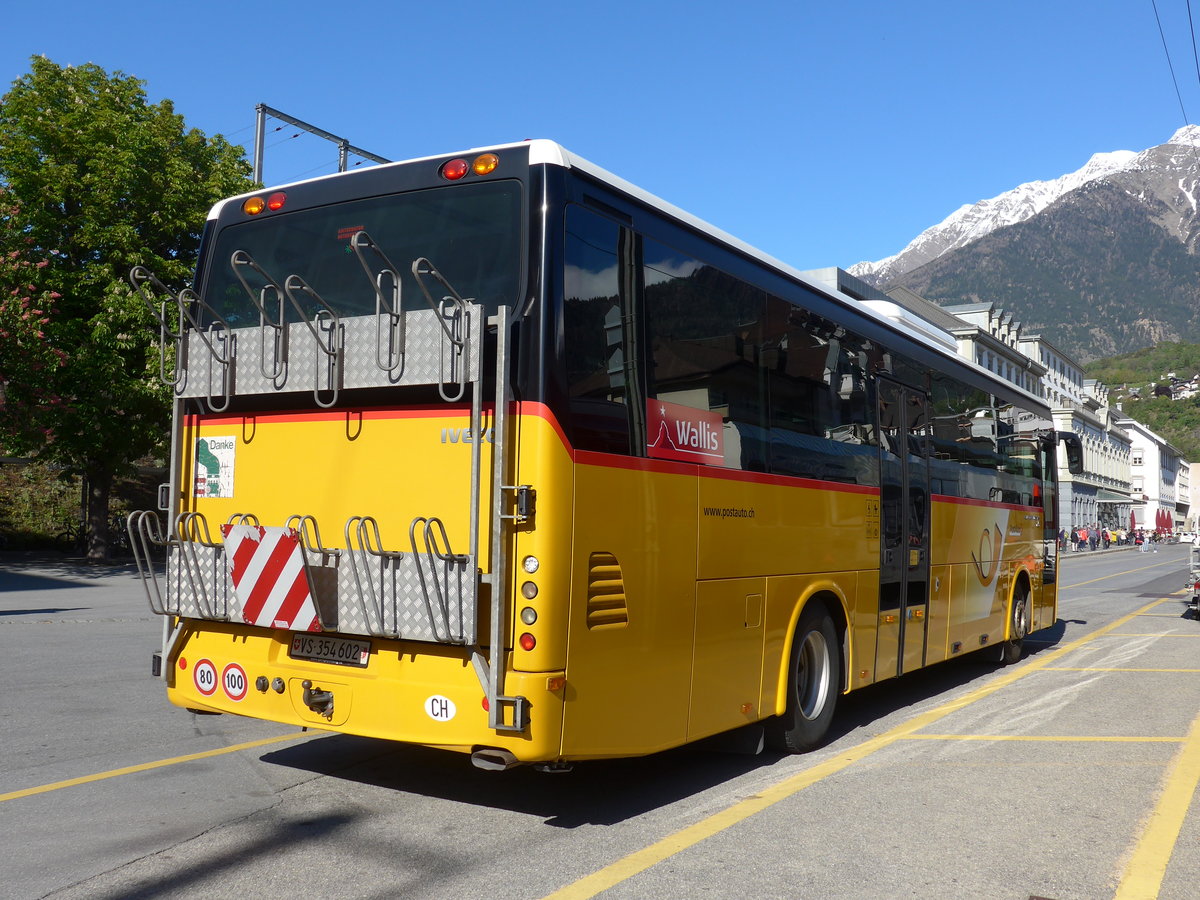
pixel 290 266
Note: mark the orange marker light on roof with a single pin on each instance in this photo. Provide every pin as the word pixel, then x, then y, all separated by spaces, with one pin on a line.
pixel 486 164
pixel 455 169
pixel 276 201
pixel 254 205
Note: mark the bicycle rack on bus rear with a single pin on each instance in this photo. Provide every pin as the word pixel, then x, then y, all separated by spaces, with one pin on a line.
pixel 386 585
pixel 217 338
pixel 194 583
pixel 431 593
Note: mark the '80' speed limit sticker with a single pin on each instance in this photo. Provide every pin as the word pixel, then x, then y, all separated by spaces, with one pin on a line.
pixel 204 675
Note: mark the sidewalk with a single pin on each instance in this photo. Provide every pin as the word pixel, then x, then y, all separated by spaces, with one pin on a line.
pixel 1116 548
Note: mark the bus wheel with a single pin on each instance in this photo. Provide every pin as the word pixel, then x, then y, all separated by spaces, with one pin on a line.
pixel 1009 652
pixel 813 684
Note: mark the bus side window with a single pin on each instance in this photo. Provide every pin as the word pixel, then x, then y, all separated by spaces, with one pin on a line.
pixel 598 361
pixel 821 423
pixel 705 337
pixel 975 430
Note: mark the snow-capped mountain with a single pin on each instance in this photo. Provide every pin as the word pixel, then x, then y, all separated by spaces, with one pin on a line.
pixel 1178 158
pixel 1102 261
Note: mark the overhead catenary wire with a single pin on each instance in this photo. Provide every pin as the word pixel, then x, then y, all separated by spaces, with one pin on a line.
pixel 326 165
pixel 345 148
pixel 1191 136
pixel 1162 35
pixel 1189 131
pixel 1192 32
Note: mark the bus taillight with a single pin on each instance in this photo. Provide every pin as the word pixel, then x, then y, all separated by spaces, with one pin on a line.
pixel 255 205
pixel 455 169
pixel 485 164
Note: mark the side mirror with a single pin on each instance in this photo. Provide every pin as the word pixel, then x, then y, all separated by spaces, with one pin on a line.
pixel 1074 447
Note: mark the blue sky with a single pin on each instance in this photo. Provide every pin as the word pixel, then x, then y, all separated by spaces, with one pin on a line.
pixel 823 132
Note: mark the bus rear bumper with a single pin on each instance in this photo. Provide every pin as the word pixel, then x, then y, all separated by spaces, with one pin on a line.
pixel 424 694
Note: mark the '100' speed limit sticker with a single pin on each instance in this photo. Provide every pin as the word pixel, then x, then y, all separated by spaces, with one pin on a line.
pixel 233 682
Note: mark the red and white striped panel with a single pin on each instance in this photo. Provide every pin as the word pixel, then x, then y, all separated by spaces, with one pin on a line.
pixel 269 578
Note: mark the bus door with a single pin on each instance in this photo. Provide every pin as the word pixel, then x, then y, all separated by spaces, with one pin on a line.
pixel 904 529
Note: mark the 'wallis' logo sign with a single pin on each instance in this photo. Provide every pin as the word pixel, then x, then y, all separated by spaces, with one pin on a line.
pixel 684 433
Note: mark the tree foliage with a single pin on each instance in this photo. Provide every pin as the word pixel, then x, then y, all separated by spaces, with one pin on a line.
pixel 1176 420
pixel 25 313
pixel 1150 365
pixel 95 179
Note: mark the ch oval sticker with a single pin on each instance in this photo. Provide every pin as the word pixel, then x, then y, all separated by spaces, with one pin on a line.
pixel 440 709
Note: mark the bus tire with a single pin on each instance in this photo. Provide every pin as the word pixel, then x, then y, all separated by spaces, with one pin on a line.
pixel 1009 651
pixel 814 682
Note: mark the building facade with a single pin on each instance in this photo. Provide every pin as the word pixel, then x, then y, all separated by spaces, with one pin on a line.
pixel 1155 468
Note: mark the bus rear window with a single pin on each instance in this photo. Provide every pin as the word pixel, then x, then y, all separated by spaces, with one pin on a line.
pixel 471 233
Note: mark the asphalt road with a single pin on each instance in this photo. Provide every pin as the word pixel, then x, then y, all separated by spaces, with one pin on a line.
pixel 1071 774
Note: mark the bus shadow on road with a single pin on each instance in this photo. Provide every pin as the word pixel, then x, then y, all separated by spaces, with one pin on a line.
pixel 602 792
pixel 606 792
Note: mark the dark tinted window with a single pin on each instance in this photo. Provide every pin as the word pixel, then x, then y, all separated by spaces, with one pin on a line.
pixel 471 233
pixel 982 449
pixel 737 378
pixel 819 397
pixel 597 333
pixel 705 333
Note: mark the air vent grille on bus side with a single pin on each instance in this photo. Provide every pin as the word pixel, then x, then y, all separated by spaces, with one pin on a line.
pixel 606 607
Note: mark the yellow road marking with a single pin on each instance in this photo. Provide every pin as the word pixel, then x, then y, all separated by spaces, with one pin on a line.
pixel 640 860
pixel 1051 738
pixel 145 767
pixel 1155 634
pixel 1144 875
pixel 1111 669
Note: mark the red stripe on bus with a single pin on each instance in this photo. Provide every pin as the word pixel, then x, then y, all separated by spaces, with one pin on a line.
pixel 584 457
pixel 411 412
pixel 523 408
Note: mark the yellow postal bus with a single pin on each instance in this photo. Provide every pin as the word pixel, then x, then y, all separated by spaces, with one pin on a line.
pixel 498 453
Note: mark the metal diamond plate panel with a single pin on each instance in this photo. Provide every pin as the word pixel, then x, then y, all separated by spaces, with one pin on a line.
pixel 416 597
pixel 365 353
pixel 197 584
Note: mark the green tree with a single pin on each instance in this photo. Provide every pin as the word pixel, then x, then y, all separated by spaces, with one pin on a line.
pixel 95 180
pixel 25 312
